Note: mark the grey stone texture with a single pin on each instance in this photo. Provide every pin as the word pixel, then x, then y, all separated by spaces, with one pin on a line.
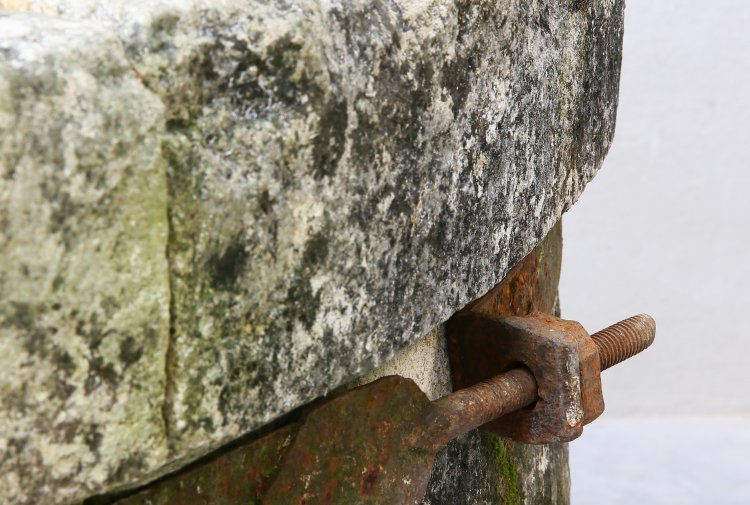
pixel 481 469
pixel 214 211
pixel 84 284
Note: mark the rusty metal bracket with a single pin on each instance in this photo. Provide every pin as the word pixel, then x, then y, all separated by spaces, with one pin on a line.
pixel 377 443
pixel 560 354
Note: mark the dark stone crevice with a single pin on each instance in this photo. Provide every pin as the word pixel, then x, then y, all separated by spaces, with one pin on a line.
pixel 167 406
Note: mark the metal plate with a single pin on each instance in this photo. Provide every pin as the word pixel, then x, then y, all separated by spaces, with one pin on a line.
pixel 354 449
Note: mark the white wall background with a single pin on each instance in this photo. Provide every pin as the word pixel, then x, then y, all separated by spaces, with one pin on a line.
pixel 665 229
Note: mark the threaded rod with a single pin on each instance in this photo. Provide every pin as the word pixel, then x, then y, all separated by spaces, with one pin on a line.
pixel 625 339
pixel 476 405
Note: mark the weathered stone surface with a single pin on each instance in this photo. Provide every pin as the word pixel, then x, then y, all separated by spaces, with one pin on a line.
pixel 84 290
pixel 482 469
pixel 341 177
pixel 477 468
pixel 425 362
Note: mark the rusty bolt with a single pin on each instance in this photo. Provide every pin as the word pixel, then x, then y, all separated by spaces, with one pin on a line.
pixel 625 339
pixel 537 341
pixel 358 446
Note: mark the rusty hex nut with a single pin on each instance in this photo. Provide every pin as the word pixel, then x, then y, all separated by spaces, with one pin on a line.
pixel 559 353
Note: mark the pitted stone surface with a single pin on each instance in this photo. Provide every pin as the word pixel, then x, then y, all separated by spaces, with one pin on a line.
pixel 341 177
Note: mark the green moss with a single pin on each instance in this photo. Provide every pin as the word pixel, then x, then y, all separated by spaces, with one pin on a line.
pixel 508 471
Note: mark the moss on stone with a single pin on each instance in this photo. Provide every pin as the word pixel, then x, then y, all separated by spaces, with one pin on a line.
pixel 507 468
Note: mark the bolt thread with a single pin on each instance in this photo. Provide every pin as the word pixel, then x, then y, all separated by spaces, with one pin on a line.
pixel 625 339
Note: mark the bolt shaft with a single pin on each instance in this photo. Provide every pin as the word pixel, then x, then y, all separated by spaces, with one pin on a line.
pixel 622 340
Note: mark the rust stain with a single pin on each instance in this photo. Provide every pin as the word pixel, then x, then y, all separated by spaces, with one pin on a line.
pixel 369 476
pixel 530 286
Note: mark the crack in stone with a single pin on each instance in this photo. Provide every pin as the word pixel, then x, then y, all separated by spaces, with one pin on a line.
pixel 169 381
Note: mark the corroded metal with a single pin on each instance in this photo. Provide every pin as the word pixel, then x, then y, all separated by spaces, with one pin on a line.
pixel 240 476
pixel 565 361
pixel 529 287
pixel 549 348
pixel 355 449
pixel 377 443
pixel 622 340
pixel 455 414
